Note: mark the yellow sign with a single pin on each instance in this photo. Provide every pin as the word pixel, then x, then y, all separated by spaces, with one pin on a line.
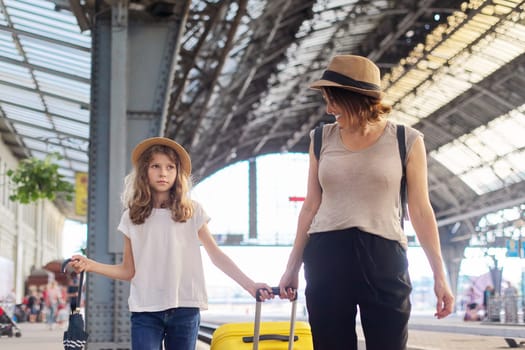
pixel 81 193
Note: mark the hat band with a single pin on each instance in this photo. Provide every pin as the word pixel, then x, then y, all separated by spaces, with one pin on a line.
pixel 344 80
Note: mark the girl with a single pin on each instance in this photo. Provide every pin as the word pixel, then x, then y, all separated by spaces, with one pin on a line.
pixel 162 228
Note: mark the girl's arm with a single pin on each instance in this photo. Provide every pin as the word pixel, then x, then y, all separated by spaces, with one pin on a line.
pixel 226 265
pixel 309 208
pixel 124 271
pixel 424 223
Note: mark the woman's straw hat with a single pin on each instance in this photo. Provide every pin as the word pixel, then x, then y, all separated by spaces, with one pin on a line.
pixel 185 161
pixel 355 73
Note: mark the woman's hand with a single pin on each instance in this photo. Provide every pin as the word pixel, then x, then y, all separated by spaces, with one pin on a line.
pixel 288 285
pixel 445 299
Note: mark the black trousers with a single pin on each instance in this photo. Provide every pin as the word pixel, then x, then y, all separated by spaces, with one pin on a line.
pixel 350 269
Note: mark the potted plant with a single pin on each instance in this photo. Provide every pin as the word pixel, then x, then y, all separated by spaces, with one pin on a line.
pixel 39 179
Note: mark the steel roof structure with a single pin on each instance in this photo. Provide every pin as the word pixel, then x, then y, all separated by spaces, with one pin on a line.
pixel 452 69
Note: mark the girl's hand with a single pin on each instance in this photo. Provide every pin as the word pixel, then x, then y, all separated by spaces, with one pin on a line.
pixel 265 291
pixel 80 263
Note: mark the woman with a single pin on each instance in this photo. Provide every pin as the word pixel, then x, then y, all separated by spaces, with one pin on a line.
pixel 349 232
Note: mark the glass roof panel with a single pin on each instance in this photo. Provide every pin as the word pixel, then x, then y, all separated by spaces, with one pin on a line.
pixel 70 127
pixel 57 47
pixel 447 66
pixel 78 167
pixel 20 97
pixel 58 64
pixel 482 180
pixel 488 158
pixel 35 132
pixel 14 74
pixel 66 108
pixel 27 116
pixel 45 80
pixel 77 154
pixel 457 157
pixel 8 46
pixel 505 171
pixel 36 145
pixel 60 25
pixel 62 86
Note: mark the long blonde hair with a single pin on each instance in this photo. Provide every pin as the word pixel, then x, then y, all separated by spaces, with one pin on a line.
pixel 359 109
pixel 137 195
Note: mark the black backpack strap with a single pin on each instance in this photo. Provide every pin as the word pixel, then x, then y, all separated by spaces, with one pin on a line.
pixel 318 141
pixel 400 131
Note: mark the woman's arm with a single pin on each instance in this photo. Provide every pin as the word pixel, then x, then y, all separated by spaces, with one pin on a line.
pixel 226 265
pixel 424 223
pixel 124 271
pixel 309 208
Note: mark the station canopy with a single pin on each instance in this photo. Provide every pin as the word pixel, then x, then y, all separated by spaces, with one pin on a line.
pixel 454 70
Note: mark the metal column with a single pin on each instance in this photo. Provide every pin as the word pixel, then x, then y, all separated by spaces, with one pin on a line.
pixel 134 55
pixel 252 193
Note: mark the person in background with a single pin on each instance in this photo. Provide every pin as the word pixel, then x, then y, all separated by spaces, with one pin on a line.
pixel 349 232
pixel 472 298
pixel 52 299
pixel 33 305
pixel 488 294
pixel 162 230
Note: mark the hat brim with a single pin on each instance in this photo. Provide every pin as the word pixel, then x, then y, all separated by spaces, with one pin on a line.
pixel 184 157
pixel 317 85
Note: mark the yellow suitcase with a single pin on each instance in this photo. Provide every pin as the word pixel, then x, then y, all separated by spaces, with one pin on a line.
pixel 273 336
pixel 263 335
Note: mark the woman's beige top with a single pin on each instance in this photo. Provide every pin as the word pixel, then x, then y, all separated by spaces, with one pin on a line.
pixel 361 188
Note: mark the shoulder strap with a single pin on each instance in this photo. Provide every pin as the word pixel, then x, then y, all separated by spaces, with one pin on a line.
pixel 318 141
pixel 400 131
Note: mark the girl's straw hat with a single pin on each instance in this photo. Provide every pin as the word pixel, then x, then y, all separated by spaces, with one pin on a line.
pixel 185 161
pixel 355 73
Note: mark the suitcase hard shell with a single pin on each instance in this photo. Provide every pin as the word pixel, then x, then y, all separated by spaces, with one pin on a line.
pixel 259 335
pixel 230 336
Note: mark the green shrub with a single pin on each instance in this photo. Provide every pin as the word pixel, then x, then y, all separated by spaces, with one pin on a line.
pixel 35 179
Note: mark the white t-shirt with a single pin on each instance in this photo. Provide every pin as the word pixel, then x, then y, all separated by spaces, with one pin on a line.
pixel 168 263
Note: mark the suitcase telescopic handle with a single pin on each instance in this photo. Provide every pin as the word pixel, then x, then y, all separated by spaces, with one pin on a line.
pixel 257 324
pixel 274 291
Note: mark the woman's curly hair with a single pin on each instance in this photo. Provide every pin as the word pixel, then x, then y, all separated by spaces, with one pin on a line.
pixel 137 196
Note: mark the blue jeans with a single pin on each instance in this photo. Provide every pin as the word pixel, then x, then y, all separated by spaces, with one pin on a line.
pixel 178 328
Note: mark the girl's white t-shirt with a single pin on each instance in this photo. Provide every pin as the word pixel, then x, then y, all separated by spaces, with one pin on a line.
pixel 168 262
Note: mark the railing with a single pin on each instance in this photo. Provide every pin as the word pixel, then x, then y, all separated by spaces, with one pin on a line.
pixel 206 332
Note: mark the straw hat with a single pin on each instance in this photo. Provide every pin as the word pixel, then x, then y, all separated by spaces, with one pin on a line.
pixel 184 157
pixel 355 73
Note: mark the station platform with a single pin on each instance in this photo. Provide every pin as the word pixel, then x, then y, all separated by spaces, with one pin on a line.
pixel 426 333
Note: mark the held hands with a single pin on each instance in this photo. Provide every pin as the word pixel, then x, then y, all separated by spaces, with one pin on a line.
pixel 264 293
